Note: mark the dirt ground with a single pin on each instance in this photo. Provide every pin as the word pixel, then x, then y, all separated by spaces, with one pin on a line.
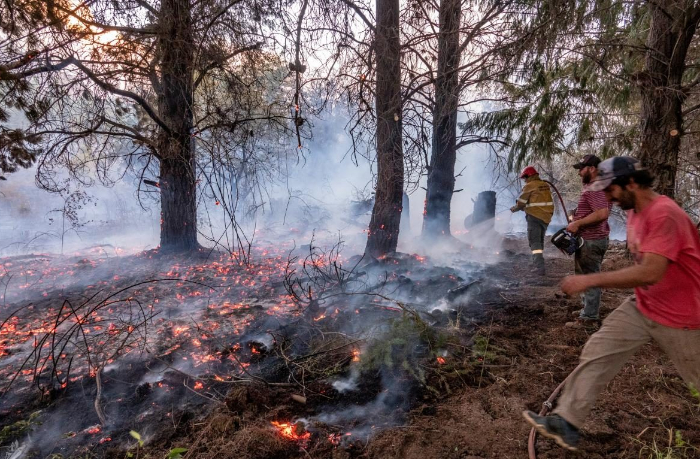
pixel 646 412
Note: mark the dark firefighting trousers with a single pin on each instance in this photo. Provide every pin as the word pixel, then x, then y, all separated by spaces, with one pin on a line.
pixel 536 229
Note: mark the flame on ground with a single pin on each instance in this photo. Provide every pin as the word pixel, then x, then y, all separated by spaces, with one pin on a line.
pixel 291 431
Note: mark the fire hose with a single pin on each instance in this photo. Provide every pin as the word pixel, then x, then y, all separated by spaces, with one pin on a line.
pixel 561 200
pixel 546 406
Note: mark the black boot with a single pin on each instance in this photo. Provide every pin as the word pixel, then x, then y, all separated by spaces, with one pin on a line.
pixel 538 264
pixel 556 428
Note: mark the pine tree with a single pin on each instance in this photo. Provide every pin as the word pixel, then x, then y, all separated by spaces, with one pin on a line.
pixel 386 214
pixel 608 76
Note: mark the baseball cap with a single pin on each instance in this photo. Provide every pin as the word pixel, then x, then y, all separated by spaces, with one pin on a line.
pixel 588 160
pixel 612 168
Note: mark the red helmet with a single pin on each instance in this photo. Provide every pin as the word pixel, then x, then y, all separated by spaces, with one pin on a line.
pixel 528 171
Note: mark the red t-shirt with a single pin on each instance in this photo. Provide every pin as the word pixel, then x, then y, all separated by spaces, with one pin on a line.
pixel 665 229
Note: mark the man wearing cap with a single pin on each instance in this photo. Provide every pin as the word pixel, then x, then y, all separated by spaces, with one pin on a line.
pixel 665 308
pixel 536 201
pixel 590 222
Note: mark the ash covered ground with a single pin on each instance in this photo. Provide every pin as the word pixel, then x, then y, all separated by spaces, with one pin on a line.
pixel 306 352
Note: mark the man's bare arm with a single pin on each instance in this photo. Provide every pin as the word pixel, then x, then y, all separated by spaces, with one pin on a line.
pixel 591 219
pixel 594 218
pixel 650 271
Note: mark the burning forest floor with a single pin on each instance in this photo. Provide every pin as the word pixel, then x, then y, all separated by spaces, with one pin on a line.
pixel 301 352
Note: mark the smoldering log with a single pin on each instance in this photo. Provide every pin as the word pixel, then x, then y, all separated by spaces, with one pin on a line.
pixel 460 290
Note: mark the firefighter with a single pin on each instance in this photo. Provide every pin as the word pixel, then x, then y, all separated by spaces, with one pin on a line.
pixel 536 201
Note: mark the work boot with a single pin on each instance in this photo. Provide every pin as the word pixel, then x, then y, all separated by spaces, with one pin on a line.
pixel 556 428
pixel 538 264
pixel 585 323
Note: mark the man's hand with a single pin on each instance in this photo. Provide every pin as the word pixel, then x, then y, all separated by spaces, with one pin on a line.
pixel 573 227
pixel 650 271
pixel 514 209
pixel 572 285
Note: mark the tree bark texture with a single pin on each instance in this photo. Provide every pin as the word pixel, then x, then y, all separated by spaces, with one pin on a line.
pixel 386 214
pixel 178 230
pixel 441 172
pixel 673 24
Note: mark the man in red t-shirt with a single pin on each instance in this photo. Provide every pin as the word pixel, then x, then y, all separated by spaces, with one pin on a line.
pixel 590 222
pixel 666 278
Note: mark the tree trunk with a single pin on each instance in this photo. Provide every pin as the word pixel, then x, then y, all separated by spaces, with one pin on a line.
pixel 441 172
pixel 386 214
pixel 178 230
pixel 670 34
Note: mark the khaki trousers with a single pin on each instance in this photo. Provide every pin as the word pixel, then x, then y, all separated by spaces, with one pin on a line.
pixel 623 332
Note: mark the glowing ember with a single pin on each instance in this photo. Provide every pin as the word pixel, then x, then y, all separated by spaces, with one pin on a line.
pixel 180 329
pixel 335 438
pixel 198 385
pixel 291 431
pixel 355 355
pixel 93 430
pixel 441 360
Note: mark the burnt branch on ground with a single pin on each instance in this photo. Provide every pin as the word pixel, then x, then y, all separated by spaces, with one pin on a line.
pixel 321 277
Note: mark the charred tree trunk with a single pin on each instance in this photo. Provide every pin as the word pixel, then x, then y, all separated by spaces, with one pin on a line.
pixel 178 230
pixel 673 25
pixel 441 172
pixel 386 214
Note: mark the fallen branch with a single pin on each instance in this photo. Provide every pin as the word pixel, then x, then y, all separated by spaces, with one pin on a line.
pixel 98 396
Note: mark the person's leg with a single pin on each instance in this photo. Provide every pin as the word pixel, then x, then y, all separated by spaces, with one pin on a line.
pixel 591 259
pixel 683 348
pixel 623 332
pixel 535 236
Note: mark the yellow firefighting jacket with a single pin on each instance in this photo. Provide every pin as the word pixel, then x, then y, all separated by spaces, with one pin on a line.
pixel 536 199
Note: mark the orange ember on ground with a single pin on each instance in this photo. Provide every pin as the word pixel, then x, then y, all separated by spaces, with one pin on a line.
pixel 288 430
pixel 355 355
pixel 335 438
pixel 441 360
pixel 180 329
pixel 198 385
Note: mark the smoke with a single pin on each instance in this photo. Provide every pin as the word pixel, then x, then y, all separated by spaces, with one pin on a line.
pixel 348 383
pixel 108 219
